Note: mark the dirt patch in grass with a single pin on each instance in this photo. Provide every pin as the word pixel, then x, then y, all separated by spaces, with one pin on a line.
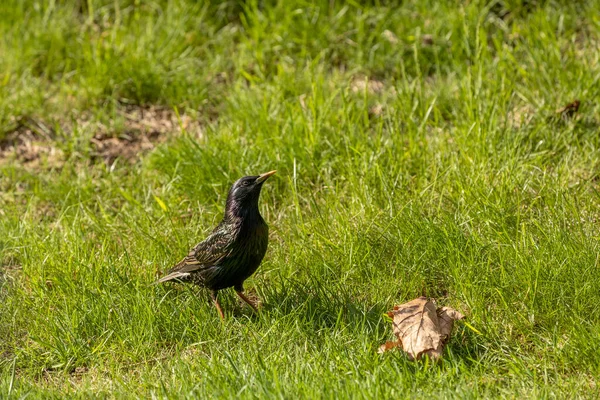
pixel 141 129
pixel 55 378
pixel 521 115
pixel 361 83
pixel 29 142
pixel 10 269
pixel 125 146
pixel 136 130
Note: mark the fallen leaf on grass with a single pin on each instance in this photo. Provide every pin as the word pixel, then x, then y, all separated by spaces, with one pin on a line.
pixel 569 110
pixel 421 329
pixel 446 318
pixel 389 345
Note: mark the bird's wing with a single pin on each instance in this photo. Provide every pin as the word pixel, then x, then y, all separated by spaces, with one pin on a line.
pixel 203 256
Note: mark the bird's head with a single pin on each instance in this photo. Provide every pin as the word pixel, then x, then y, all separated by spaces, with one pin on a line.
pixel 244 193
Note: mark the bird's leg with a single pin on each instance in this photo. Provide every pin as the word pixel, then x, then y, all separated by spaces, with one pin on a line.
pixel 213 295
pixel 247 300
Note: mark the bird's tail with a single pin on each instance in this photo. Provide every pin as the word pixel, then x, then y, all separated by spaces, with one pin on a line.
pixel 172 276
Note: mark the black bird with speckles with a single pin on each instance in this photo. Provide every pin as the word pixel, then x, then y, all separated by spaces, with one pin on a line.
pixel 234 249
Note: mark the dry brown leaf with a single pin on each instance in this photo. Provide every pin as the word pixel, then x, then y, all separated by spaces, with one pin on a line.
pixel 421 329
pixel 570 109
pixel 446 318
pixel 389 345
pixel 416 326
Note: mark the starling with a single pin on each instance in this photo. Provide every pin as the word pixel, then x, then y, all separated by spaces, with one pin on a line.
pixel 234 249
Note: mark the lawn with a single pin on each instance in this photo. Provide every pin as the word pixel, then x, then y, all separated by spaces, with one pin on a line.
pixel 419 153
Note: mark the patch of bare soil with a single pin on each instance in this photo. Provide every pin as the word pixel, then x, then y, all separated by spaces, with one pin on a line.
pixel 143 128
pixel 376 110
pixel 521 115
pixel 361 83
pixel 137 131
pixel 29 142
pixel 128 147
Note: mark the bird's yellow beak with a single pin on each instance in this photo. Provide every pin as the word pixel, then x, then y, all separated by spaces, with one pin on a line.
pixel 264 176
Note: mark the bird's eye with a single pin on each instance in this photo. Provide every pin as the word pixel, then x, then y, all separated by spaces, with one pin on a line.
pixel 245 183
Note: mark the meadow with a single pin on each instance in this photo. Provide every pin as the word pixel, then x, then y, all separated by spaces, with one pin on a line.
pixel 419 153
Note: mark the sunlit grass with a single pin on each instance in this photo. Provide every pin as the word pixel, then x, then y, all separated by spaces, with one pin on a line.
pixel 449 175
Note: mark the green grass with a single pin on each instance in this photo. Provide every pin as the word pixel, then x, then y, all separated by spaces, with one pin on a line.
pixel 465 187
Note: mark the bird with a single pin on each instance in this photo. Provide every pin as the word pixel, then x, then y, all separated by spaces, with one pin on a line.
pixel 233 250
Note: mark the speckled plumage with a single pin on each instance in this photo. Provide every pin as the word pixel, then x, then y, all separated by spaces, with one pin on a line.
pixel 234 249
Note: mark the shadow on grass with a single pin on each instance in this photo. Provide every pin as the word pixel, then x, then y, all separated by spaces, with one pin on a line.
pixel 322 306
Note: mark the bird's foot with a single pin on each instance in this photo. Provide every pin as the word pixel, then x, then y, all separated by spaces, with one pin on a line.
pixel 253 304
pixel 217 305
